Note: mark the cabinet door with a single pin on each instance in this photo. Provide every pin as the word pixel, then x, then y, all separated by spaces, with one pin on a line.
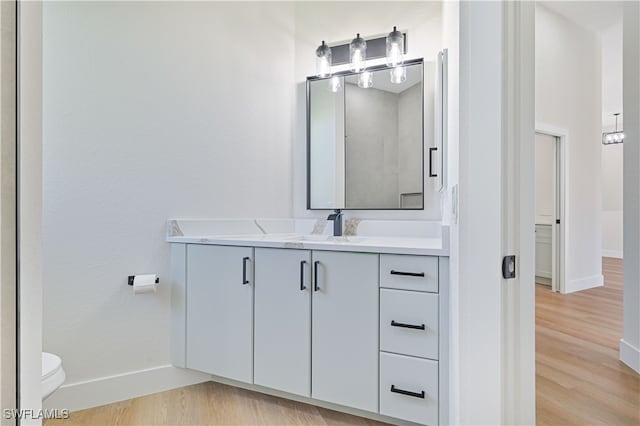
pixel 345 329
pixel 220 311
pixel 282 336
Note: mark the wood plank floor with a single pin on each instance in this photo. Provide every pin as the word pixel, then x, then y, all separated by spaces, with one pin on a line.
pixel 209 404
pixel 580 380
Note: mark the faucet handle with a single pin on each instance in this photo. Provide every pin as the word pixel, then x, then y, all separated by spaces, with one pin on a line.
pixel 337 214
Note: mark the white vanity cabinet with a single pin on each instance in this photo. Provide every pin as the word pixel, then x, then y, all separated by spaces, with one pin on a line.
pixel 344 333
pixel 362 332
pixel 219 311
pixel 282 339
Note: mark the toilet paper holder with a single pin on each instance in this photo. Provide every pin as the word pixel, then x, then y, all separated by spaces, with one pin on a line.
pixel 130 279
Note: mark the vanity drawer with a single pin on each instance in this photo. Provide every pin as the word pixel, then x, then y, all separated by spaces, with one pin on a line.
pixel 407 272
pixel 409 388
pixel 409 323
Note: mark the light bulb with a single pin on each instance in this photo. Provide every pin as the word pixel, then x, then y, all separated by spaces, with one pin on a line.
pixel 622 135
pixel 357 53
pixel 335 84
pixel 395 48
pixel 616 137
pixel 323 61
pixel 365 80
pixel 398 75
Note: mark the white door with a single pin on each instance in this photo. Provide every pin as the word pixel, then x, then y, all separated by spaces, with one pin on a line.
pixel 282 335
pixel 345 329
pixel 220 311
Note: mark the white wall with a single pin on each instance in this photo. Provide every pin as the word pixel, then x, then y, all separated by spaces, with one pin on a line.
pixel 568 96
pixel 338 22
pixel 630 344
pixel 612 158
pixel 152 110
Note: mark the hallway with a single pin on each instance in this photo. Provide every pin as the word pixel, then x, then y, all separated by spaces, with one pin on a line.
pixel 579 379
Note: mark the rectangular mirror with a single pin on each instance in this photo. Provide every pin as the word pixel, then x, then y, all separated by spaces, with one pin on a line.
pixel 365 147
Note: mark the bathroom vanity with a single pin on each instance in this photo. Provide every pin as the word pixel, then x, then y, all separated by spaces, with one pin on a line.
pixel 356 323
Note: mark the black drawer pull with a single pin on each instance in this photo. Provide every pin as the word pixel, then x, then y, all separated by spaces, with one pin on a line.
pixel 302 286
pixel 408 393
pixel 315 275
pixel 399 324
pixel 244 270
pixel 408 274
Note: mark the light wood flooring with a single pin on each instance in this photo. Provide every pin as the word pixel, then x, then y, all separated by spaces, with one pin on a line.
pixel 209 404
pixel 580 380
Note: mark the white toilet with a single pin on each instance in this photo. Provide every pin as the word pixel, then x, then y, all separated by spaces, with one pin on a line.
pixel 52 373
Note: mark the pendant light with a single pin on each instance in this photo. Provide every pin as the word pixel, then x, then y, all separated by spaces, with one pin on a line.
pixel 365 80
pixel 617 136
pixel 357 53
pixel 395 48
pixel 398 75
pixel 323 60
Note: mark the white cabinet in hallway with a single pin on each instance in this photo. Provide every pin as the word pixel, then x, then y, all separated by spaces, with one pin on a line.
pixel 282 342
pixel 219 330
pixel 344 329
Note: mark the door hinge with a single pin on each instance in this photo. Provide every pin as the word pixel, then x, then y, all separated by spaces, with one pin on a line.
pixel 509 267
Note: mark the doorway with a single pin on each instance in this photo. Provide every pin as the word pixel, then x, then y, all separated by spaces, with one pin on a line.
pixel 549 208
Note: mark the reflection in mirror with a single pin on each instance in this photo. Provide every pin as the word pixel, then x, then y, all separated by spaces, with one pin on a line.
pixel 366 141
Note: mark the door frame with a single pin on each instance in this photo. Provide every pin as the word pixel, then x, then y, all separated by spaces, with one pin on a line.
pixel 518 401
pixel 561 205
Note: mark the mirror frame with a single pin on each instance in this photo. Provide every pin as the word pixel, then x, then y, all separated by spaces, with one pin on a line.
pixel 348 73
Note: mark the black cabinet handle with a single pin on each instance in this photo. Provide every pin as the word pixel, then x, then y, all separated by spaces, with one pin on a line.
pixel 315 275
pixel 413 326
pixel 302 263
pixel 244 270
pixel 408 274
pixel 408 393
pixel 431 173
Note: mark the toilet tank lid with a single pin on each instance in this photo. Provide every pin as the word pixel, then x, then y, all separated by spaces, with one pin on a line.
pixel 51 363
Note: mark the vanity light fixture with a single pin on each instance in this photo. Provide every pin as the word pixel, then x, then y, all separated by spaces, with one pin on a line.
pixel 323 60
pixel 395 47
pixel 398 74
pixel 617 136
pixel 335 84
pixel 365 80
pixel 357 53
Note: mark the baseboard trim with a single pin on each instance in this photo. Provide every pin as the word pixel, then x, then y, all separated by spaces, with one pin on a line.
pixel 630 355
pixel 543 280
pixel 584 283
pixel 616 254
pixel 119 387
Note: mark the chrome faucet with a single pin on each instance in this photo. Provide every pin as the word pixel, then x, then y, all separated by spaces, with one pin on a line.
pixel 336 217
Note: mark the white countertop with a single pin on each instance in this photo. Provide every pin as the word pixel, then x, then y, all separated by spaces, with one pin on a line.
pixel 415 238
